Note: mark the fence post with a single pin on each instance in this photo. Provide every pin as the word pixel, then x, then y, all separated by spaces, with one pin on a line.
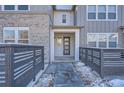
pixel 86 57
pixel 101 64
pixel 79 53
pixel 34 64
pixel 92 64
pixel 42 55
pixel 9 57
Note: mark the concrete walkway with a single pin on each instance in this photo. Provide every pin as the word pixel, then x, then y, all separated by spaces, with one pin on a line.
pixel 64 75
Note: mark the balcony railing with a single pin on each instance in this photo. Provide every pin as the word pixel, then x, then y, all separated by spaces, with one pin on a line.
pixel 104 61
pixel 19 64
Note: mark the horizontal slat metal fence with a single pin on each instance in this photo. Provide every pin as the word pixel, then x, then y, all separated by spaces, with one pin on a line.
pixel 113 60
pixel 92 58
pixel 103 61
pixel 19 64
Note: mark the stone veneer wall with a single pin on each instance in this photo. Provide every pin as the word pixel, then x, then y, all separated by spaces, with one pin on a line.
pixel 38 27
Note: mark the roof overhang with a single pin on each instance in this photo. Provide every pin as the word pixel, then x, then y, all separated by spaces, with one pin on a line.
pixel 67 27
pixel 67 7
pixel 121 27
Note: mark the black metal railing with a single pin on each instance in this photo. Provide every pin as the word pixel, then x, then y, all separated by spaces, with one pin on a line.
pixel 19 64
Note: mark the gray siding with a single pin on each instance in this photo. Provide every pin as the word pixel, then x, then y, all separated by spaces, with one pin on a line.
pixel 122 9
pixel 99 26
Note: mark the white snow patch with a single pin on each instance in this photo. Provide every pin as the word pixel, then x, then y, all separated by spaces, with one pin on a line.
pixel 116 83
pixel 79 64
pixel 93 79
pixel 89 77
pixel 45 81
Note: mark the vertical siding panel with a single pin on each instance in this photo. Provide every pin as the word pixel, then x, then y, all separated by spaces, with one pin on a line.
pixel 104 27
pixel 112 26
pixel 120 23
pixel 120 15
pixel 123 15
pixel 93 29
pixel 0 7
pixel 89 26
pixel 98 26
pixel 101 27
pixel 84 15
pixel 107 27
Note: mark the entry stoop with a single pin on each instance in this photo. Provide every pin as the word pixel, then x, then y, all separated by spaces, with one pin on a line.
pixel 64 59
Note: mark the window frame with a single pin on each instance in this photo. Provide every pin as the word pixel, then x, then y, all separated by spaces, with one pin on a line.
pixel 16 29
pixel 107 34
pixel 16 8
pixel 106 14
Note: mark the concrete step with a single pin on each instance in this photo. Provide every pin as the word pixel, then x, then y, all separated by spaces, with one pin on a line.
pixel 64 61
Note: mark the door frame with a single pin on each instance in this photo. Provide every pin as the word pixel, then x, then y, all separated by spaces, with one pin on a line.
pixel 77 36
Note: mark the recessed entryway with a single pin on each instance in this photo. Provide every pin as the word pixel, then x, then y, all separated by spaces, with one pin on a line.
pixel 65 44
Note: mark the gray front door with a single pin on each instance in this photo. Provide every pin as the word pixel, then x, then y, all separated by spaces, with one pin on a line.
pixel 66 45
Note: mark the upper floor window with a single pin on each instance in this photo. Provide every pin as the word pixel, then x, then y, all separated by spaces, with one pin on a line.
pixel 15 35
pixel 92 12
pixel 9 7
pixel 23 7
pixel 102 12
pixel 111 12
pixel 63 18
pixel 15 7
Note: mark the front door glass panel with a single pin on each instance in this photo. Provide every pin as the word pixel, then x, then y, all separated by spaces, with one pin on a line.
pixel 66 45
